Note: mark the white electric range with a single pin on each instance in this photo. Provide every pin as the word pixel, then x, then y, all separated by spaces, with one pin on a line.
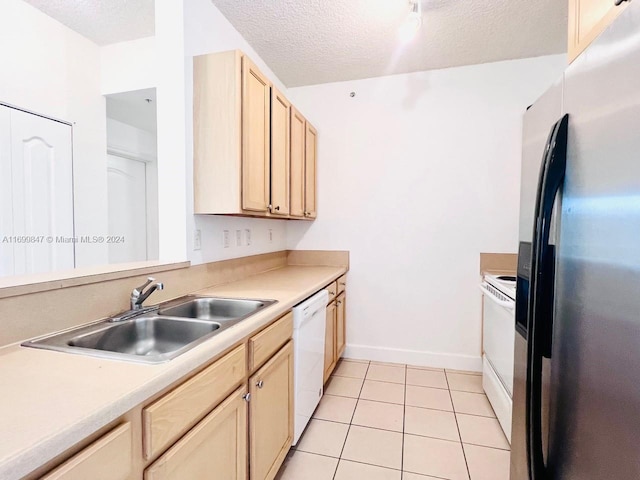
pixel 498 339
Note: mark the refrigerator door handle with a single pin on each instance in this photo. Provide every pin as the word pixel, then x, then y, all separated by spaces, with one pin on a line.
pixel 541 287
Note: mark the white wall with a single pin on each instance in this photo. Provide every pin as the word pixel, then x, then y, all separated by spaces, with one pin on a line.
pixel 206 31
pixel 128 66
pixel 49 69
pixel 418 174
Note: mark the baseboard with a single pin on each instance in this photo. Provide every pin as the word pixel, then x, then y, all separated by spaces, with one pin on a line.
pixel 414 357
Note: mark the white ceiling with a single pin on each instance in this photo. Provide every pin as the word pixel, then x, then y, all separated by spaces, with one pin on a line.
pixel 307 42
pixel 103 21
pixel 133 108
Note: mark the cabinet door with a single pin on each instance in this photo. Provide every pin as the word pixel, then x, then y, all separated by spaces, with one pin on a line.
pixel 271 414
pixel 280 128
pixel 340 325
pixel 310 163
pixel 330 341
pixel 215 448
pixel 256 99
pixel 298 125
pixel 587 20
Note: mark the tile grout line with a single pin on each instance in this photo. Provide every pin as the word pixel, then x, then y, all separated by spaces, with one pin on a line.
pixel 464 454
pixel 404 419
pixel 351 421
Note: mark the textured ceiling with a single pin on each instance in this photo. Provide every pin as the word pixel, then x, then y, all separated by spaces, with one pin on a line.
pixel 103 21
pixel 317 41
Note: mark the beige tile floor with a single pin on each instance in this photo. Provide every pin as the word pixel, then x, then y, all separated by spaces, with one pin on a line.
pixel 397 422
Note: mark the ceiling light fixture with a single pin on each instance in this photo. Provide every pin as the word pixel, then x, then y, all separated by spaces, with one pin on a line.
pixel 413 22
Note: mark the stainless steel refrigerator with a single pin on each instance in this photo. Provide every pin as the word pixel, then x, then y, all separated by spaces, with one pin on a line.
pixel 577 351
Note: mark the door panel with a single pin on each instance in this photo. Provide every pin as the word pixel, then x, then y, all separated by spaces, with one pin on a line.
pixel 341 307
pixel 310 164
pixel 330 341
pixel 271 414
pixel 280 129
pixel 256 99
pixel 127 187
pixel 297 163
pixel 42 182
pixel 6 193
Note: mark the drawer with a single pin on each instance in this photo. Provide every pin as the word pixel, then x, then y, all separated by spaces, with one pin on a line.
pixel 333 291
pixel 165 420
pixel 263 345
pixel 108 458
pixel 342 283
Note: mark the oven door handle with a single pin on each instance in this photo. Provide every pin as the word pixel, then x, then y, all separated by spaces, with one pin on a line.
pixel 510 305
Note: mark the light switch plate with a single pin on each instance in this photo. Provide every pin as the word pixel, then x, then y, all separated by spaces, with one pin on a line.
pixel 226 240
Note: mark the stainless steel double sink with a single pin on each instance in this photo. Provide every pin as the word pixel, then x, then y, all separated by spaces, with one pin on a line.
pixel 156 334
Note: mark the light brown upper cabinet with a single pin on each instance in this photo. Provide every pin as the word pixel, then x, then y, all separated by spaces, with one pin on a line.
pixel 304 147
pixel 232 135
pixel 256 138
pixel 254 153
pixel 587 20
pixel 298 126
pixel 280 153
pixel 310 164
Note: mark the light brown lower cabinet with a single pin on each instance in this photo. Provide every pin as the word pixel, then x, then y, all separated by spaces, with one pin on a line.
pixel 335 336
pixel 341 308
pixel 271 414
pixel 215 448
pixel 108 458
pixel 203 428
pixel 330 341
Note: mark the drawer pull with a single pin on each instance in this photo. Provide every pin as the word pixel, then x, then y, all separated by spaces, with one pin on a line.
pixel 260 384
pixel 247 397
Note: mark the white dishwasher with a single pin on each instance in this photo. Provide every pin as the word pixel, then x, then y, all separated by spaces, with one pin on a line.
pixel 309 320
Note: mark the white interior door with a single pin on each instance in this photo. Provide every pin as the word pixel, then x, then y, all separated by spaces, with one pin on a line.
pixel 42 182
pixel 6 192
pixel 127 209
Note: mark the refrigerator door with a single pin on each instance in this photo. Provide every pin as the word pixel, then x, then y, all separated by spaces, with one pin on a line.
pixel 537 123
pixel 595 374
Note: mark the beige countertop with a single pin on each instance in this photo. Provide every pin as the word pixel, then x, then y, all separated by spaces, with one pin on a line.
pixel 50 400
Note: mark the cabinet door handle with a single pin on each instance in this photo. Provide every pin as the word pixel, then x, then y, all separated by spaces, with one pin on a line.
pixel 278 207
pixel 343 284
pixel 247 397
pixel 338 302
pixel 260 384
pixel 332 293
pixel 619 2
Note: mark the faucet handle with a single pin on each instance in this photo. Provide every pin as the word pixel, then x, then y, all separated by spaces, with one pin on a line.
pixel 142 287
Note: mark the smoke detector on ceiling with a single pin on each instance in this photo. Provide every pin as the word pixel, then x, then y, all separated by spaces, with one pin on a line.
pixel 412 23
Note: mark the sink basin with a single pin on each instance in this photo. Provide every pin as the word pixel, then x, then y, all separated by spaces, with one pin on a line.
pixel 145 336
pixel 154 336
pixel 214 308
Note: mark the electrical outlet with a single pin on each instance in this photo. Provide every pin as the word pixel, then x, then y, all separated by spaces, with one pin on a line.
pixel 270 236
pixel 247 234
pixel 238 238
pixel 226 239
pixel 197 240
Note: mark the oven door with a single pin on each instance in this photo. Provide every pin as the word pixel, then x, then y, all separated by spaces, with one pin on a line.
pixel 499 333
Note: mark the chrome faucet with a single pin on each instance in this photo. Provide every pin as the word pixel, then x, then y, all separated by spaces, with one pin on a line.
pixel 139 294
